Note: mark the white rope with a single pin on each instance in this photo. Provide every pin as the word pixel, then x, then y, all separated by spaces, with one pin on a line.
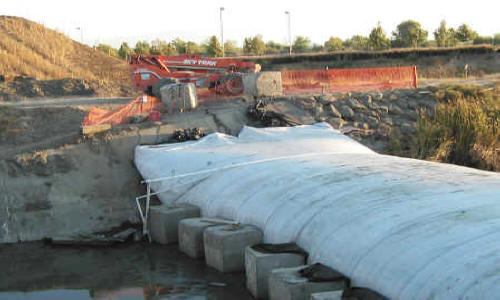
pixel 237 166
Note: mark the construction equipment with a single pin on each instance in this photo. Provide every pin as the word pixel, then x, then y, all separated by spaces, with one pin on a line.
pixel 219 75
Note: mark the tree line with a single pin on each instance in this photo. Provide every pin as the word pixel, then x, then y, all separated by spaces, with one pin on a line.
pixel 407 34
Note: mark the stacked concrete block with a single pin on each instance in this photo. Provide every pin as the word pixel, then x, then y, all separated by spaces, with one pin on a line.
pixel 258 267
pixel 263 84
pixel 191 236
pixel 164 221
pixel 334 295
pixel 288 284
pixel 160 83
pixel 225 246
pixel 179 97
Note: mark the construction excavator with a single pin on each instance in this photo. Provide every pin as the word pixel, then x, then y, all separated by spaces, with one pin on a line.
pixel 222 76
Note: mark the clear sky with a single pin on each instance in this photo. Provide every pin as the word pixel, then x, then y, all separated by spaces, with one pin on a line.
pixel 112 22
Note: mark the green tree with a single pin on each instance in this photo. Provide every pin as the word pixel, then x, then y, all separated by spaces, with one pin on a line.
pixel 409 34
pixel 357 42
pixel 231 48
pixel 180 45
pixel 378 39
pixel 333 44
pixel 124 51
pixel 441 34
pixel 274 47
pixel 301 44
pixel 213 47
pixel 445 37
pixel 142 47
pixel 317 48
pixel 159 47
pixel 107 49
pixel 255 45
pixel 465 33
pixel 452 38
pixel 193 48
pixel 247 45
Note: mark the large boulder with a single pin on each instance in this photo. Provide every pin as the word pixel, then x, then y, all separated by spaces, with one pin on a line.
pixel 354 104
pixel 332 111
pixel 178 97
pixel 160 83
pixel 346 112
pixel 263 84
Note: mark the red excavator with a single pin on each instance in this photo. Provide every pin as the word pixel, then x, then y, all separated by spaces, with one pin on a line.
pixel 220 75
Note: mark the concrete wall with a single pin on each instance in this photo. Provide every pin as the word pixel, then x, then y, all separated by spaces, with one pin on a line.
pixel 263 84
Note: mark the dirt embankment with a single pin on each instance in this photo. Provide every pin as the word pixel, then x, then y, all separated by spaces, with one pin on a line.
pixel 29 49
pixel 68 188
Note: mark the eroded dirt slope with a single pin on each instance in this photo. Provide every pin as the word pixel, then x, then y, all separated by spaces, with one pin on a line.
pixel 30 49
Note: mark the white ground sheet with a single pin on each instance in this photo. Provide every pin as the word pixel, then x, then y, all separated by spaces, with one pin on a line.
pixel 405 228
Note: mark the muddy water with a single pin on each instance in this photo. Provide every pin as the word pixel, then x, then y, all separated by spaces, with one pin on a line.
pixel 34 271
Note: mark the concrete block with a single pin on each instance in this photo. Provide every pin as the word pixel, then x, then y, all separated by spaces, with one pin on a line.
pixel 334 295
pixel 164 221
pixel 263 84
pixel 225 246
pixel 179 97
pixel 191 236
pixel 258 267
pixel 288 284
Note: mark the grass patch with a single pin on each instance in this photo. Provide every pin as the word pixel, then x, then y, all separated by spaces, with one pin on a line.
pixel 464 129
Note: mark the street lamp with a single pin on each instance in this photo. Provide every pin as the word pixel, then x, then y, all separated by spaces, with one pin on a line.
pixel 289 32
pixel 81 33
pixel 222 30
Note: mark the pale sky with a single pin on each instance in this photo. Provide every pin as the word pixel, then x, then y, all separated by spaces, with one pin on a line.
pixel 115 21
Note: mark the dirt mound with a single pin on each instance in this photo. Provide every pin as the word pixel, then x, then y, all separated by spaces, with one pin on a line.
pixel 30 49
pixel 32 88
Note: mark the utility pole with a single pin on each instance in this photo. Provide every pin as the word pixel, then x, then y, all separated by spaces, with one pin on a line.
pixel 222 31
pixel 289 33
pixel 81 33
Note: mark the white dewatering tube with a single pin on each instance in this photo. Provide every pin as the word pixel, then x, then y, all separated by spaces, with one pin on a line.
pixel 405 228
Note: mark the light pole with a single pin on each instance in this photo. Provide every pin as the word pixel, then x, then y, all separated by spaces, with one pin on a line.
pixel 222 30
pixel 289 33
pixel 81 33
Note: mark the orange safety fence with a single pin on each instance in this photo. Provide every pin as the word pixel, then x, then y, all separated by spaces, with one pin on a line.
pixel 139 106
pixel 341 80
pixel 293 81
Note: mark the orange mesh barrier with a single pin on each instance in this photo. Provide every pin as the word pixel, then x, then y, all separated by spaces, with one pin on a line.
pixel 340 80
pixel 140 105
pixel 294 82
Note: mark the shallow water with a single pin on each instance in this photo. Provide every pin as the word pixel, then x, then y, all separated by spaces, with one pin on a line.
pixel 35 271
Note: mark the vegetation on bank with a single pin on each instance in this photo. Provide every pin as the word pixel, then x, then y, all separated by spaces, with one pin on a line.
pixel 464 129
pixel 408 34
